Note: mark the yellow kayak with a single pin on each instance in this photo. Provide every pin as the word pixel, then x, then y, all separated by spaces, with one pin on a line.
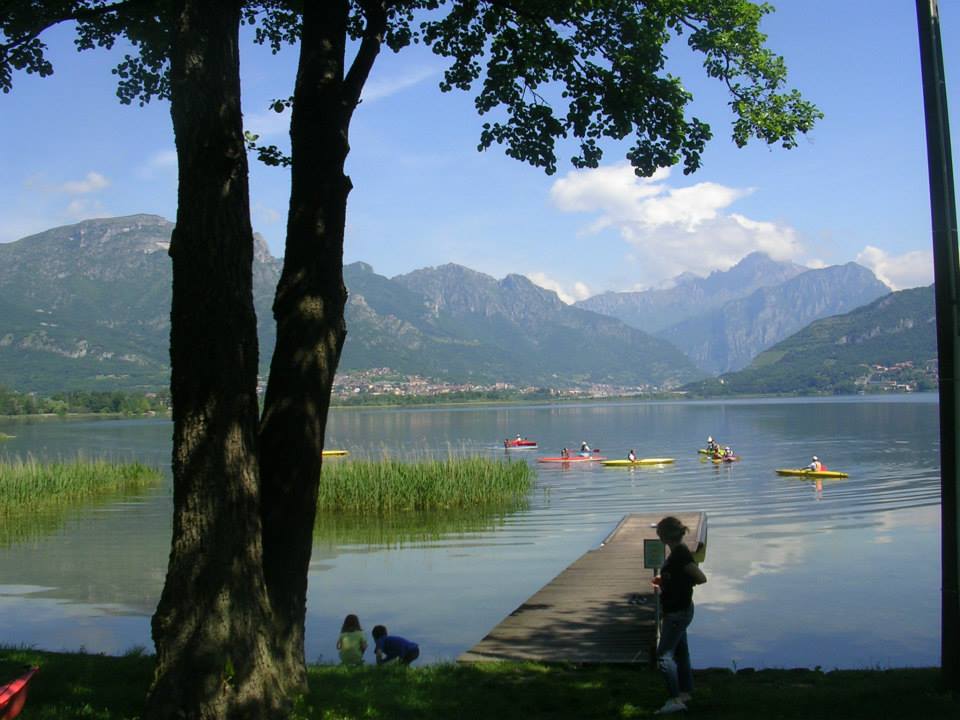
pixel 803 472
pixel 638 461
pixel 335 453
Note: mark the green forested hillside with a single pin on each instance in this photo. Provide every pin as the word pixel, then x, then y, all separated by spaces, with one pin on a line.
pixel 839 354
pixel 459 325
pixel 729 337
pixel 87 307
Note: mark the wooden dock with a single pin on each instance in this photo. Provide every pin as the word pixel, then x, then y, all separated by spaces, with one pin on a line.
pixel 599 610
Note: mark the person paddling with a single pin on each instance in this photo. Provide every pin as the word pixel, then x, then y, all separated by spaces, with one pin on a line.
pixel 815 465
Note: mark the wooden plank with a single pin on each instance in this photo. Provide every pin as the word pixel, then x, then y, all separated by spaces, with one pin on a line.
pixel 600 609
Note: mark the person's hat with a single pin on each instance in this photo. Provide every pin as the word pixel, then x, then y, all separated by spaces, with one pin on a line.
pixel 710 438
pixel 815 458
pixel 727 447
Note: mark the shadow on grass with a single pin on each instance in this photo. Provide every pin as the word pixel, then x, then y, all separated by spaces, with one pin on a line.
pixel 96 687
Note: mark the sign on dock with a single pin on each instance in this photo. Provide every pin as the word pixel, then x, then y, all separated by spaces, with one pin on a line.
pixel 599 610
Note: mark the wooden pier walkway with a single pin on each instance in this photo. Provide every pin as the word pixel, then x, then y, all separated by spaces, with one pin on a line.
pixel 599 610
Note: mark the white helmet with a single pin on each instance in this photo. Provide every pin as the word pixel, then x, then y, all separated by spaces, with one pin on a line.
pixel 727 447
pixel 815 458
pixel 709 438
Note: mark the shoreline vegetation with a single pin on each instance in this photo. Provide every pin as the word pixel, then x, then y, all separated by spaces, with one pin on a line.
pixel 369 502
pixel 83 402
pixel 158 406
pixel 74 685
pixel 29 485
pixel 37 498
pixel 389 485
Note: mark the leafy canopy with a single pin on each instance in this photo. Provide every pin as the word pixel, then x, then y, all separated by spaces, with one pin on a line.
pixel 542 70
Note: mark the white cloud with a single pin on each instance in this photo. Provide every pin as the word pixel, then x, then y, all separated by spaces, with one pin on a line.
pixel 614 189
pixel 911 269
pixel 91 183
pixel 161 162
pixel 671 230
pixel 377 88
pixel 578 291
pixel 84 209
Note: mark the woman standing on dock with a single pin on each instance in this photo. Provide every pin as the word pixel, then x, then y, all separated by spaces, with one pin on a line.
pixel 679 574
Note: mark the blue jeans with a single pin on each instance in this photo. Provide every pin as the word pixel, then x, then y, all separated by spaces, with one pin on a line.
pixel 673 653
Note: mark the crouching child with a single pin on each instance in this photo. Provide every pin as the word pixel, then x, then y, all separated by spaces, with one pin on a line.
pixel 393 647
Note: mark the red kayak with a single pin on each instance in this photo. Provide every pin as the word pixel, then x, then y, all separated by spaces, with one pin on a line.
pixel 14 694
pixel 519 443
pixel 571 459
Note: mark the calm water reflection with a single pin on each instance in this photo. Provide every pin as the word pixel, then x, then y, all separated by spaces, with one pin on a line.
pixel 800 574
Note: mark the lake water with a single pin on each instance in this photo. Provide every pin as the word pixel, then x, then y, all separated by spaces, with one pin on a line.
pixel 845 574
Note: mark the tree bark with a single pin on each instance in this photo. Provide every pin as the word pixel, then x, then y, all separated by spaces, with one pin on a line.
pixel 309 311
pixel 211 627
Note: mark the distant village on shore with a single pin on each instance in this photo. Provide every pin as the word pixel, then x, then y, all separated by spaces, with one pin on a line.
pixel 387 384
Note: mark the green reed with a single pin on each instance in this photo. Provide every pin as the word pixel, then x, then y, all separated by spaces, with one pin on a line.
pixel 389 485
pixel 29 485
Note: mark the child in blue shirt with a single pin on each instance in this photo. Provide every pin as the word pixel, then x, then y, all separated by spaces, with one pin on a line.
pixel 393 647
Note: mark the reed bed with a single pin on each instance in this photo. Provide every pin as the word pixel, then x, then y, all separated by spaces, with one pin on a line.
pixel 390 485
pixel 32 485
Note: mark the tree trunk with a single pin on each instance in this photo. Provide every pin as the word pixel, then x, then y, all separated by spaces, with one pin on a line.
pixel 308 308
pixel 211 627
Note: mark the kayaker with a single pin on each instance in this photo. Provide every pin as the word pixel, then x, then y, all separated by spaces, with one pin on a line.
pixel 584 449
pixel 632 456
pixel 815 464
pixel 713 447
pixel 676 580
pixel 728 452
pixel 565 453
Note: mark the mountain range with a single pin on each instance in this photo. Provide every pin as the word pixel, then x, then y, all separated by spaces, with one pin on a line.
pixel 690 296
pixel 86 306
pixel 457 324
pixel 842 353
pixel 723 321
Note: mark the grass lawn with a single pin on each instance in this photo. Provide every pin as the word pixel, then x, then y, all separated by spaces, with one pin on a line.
pixel 71 686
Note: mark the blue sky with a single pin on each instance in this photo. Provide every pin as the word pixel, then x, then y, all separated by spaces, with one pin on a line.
pixel 854 190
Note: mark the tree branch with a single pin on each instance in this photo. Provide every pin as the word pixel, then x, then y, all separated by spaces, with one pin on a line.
pixel 693 27
pixel 376 14
pixel 79 13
